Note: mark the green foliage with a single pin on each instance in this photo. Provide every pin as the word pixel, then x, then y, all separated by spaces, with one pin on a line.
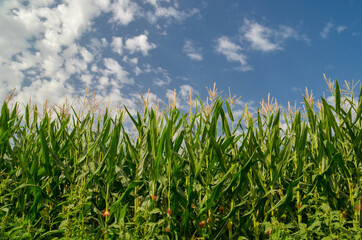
pixel 201 175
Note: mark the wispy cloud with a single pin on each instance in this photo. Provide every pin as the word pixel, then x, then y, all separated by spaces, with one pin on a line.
pixel 169 12
pixel 326 30
pixel 296 89
pixel 162 78
pixel 232 52
pixel 258 36
pixel 340 29
pixel 267 39
pixel 330 27
pixel 191 51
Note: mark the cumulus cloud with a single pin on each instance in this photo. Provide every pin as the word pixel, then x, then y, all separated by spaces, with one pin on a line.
pixel 258 36
pixel 124 11
pixel 39 39
pixel 75 59
pixel 192 52
pixel 266 39
pixel 326 30
pixel 54 90
pixel 117 45
pixel 136 44
pixel 65 23
pixel 51 49
pixel 102 4
pixel 139 44
pixel 232 52
pixel 114 69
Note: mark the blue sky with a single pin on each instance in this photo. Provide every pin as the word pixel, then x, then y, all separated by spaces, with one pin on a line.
pixel 53 49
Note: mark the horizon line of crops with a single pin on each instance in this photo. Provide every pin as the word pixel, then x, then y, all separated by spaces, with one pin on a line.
pixel 200 175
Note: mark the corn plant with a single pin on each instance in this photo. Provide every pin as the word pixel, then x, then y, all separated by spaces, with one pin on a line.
pixel 204 174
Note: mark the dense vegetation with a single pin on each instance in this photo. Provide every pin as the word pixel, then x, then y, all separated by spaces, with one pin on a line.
pixel 168 175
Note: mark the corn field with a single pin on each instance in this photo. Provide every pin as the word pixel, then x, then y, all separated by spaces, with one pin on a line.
pixel 204 174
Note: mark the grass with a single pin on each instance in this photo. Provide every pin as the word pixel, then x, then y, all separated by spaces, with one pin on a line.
pixel 205 174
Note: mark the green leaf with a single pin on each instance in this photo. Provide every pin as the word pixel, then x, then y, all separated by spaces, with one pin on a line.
pixel 230 113
pixel 338 99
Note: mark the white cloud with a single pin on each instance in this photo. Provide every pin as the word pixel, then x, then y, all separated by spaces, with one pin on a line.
pixel 75 59
pixel 38 38
pixel 103 82
pixel 139 44
pixel 87 79
pixel 191 51
pixel 170 94
pixel 340 29
pixel 117 45
pixel 48 48
pixel 116 99
pixel 9 79
pixel 152 2
pixel 156 2
pixel 137 70
pixel 54 90
pixel 103 4
pixel 326 30
pixel 329 27
pixel 232 52
pixel 258 36
pixel 15 29
pixel 42 3
pixel 132 61
pixel 285 32
pixel 114 69
pixel 97 46
pixel 124 11
pixel 185 91
pixel 172 12
pixel 87 56
pixel 66 22
pixel 162 82
pixel 163 77
pixel 266 39
pixel 169 12
pixel 51 64
pixel 254 36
